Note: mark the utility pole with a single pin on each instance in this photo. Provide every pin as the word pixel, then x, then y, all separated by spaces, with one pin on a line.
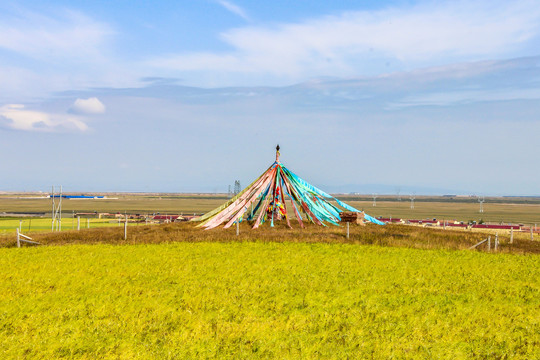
pixel 56 216
pixel 481 201
pixel 53 208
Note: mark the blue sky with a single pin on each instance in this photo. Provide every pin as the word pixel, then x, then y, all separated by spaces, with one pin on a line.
pixel 179 96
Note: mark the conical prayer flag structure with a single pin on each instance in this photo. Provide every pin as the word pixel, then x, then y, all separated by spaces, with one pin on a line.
pixel 264 200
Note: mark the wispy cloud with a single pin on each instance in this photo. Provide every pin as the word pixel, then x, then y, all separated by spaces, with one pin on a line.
pixel 365 42
pixel 55 50
pixel 17 117
pixel 66 34
pixel 233 8
pixel 449 98
pixel 453 85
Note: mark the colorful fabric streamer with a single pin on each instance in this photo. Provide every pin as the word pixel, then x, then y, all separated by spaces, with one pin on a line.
pixel 264 200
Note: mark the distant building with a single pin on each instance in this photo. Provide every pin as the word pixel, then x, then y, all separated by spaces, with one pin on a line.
pixel 392 220
pixel 168 218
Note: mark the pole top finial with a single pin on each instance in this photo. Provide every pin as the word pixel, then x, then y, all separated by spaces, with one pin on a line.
pixel 277 153
pixel 277 147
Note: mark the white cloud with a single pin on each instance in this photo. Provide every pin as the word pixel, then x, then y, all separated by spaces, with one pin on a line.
pixel 357 42
pixel 17 117
pixel 233 8
pixel 68 34
pixel 88 106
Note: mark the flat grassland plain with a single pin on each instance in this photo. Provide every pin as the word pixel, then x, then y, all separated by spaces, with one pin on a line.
pixel 496 209
pixel 175 291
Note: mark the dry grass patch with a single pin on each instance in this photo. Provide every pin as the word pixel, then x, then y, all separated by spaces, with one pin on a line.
pixel 388 235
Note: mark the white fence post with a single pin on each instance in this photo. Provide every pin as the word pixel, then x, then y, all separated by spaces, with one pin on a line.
pixel 78 223
pixel 25 238
pixel 347 230
pixel 125 230
pixel 511 235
